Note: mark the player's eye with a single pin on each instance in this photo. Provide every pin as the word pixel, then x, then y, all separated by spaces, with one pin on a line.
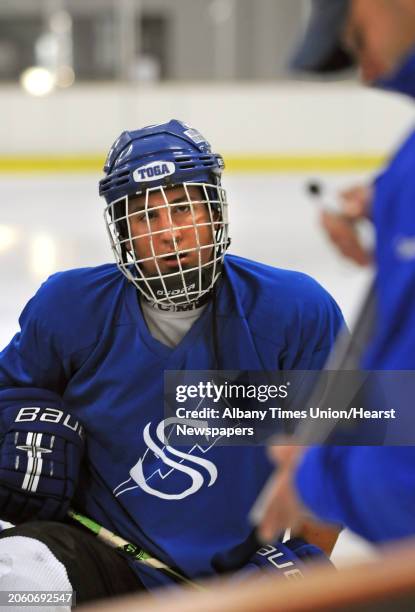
pixel 181 209
pixel 142 215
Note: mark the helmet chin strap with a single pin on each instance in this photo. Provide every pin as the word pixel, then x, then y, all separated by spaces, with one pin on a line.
pixel 176 289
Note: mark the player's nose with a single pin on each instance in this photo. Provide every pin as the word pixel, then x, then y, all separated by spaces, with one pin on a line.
pixel 168 231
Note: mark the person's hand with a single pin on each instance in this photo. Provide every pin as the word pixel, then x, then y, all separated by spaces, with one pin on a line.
pixel 341 226
pixel 289 559
pixel 283 507
pixel 41 448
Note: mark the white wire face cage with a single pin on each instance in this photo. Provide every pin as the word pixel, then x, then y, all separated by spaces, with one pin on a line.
pixel 170 248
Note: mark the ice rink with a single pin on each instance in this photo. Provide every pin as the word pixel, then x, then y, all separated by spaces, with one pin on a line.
pixel 52 223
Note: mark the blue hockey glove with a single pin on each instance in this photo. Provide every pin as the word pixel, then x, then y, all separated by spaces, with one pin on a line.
pixel 307 552
pixel 40 455
pixel 289 559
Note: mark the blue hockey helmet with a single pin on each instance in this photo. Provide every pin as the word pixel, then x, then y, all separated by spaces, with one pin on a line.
pixel 143 169
pixel 164 154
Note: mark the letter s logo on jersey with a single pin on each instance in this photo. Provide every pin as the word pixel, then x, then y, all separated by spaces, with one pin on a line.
pixel 154 171
pixel 200 471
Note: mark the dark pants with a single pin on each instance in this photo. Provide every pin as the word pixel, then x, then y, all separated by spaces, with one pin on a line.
pixel 94 569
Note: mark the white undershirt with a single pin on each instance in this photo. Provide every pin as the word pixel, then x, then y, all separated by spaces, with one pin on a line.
pixel 169 327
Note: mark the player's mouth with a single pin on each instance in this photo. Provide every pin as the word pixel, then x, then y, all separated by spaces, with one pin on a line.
pixel 172 261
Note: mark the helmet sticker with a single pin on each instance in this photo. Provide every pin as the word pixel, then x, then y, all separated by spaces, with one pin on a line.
pixel 195 136
pixel 154 171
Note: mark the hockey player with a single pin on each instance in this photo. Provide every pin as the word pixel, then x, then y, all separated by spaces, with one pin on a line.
pixel 82 382
pixel 369 489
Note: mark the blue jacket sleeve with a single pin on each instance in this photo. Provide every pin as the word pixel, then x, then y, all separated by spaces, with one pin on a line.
pixel 32 358
pixel 59 327
pixel 393 345
pixel 372 489
pixel 368 489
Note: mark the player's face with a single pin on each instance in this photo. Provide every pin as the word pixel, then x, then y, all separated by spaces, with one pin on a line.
pixel 379 33
pixel 167 228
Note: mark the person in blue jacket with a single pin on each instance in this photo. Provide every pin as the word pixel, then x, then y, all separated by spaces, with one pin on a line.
pixel 81 385
pixel 369 489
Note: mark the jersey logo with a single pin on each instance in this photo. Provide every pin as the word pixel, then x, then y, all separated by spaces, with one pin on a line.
pixel 200 471
pixel 155 170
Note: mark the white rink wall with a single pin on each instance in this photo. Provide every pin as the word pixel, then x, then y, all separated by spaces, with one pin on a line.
pixel 282 119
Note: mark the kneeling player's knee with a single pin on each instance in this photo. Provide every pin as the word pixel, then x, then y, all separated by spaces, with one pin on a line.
pixel 28 564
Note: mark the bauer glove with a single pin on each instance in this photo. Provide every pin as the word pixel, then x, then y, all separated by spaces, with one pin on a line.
pixel 40 455
pixel 289 559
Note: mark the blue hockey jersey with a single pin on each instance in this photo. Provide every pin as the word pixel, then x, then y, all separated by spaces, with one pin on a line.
pixel 83 336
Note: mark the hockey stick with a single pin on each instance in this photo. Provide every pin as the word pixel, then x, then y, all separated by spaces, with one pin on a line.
pixel 130 549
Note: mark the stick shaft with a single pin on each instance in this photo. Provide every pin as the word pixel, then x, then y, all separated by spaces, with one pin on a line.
pixel 130 549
